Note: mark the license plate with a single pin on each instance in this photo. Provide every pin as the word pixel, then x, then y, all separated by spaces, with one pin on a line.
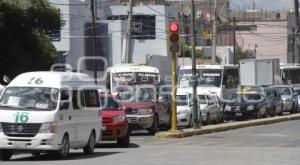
pixel 19 144
pixel 239 114
pixel 104 128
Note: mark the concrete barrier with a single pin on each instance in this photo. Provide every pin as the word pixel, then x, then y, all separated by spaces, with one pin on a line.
pixel 225 126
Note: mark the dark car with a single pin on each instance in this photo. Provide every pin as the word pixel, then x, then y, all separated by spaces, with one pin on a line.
pixel 246 104
pixel 274 101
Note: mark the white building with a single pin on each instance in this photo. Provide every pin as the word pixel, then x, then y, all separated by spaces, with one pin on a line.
pixel 75 41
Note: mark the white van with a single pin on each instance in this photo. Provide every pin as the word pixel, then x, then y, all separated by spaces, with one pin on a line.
pixel 49 112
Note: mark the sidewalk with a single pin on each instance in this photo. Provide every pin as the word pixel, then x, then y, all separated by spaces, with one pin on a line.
pixel 225 126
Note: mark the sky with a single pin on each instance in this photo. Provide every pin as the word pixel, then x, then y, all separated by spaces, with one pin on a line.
pixel 263 4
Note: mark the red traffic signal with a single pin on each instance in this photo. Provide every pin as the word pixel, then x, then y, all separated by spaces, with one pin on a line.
pixel 174 27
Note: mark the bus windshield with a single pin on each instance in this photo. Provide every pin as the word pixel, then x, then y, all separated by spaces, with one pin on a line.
pixel 205 77
pixel 29 98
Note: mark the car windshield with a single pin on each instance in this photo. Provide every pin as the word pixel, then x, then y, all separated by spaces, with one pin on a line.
pixel 141 95
pixel 29 98
pixel 247 97
pixel 182 100
pixel 109 104
pixel 284 90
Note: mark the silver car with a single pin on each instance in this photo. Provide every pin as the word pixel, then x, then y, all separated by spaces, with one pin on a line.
pixel 297 95
pixel 209 109
pixel 290 102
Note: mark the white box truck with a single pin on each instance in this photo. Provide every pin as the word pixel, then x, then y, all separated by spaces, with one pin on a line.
pixel 255 72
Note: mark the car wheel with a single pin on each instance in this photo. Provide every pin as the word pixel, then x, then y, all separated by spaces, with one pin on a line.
pixel 153 129
pixel 267 114
pixel 90 147
pixel 36 153
pixel 5 155
pixel 257 115
pixel 207 122
pixel 190 122
pixel 124 142
pixel 65 148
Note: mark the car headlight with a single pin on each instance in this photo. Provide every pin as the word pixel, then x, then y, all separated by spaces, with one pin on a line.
pixel 182 112
pixel 119 119
pixel 227 108
pixel 49 128
pixel 250 108
pixel 145 111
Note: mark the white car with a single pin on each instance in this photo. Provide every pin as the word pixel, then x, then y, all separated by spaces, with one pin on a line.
pixel 184 110
pixel 208 108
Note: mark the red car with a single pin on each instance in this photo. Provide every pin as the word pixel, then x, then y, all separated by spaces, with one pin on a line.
pixel 114 121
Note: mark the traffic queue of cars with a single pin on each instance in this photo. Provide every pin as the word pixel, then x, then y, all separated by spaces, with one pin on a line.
pixel 256 102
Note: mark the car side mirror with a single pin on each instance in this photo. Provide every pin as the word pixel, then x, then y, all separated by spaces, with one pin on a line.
pixel 64 106
pixel 6 79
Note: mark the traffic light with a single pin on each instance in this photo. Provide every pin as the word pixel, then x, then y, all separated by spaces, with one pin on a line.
pixel 174 37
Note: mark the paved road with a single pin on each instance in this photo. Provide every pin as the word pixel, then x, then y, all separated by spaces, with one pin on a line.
pixel 277 144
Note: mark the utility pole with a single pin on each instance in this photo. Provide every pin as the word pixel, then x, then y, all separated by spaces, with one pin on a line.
pixel 234 41
pixel 296 33
pixel 253 13
pixel 128 53
pixel 214 39
pixel 196 123
pixel 94 39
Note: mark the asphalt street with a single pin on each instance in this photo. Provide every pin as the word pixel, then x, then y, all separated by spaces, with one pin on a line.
pixel 276 144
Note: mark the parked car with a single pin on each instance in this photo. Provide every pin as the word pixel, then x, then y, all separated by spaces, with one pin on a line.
pixel 146 109
pixel 297 96
pixel 246 104
pixel 274 101
pixel 184 110
pixel 209 109
pixel 290 102
pixel 114 121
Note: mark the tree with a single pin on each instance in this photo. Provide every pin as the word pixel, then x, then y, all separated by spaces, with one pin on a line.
pixel 240 54
pixel 25 44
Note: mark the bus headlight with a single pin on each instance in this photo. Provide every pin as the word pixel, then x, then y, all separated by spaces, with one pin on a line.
pixel 49 128
pixel 250 108
pixel 145 111
pixel 119 119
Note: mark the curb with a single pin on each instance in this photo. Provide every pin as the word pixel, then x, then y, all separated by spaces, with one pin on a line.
pixel 225 127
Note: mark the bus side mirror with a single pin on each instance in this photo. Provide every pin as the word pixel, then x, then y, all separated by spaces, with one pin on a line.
pixel 64 106
pixel 6 79
pixel 64 101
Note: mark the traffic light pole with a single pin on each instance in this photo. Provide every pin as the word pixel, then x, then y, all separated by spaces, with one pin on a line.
pixel 174 106
pixel 194 78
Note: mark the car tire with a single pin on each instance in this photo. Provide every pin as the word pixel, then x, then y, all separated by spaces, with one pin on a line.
pixel 90 147
pixel 5 155
pixel 65 148
pixel 36 153
pixel 207 122
pixel 190 122
pixel 154 128
pixel 124 142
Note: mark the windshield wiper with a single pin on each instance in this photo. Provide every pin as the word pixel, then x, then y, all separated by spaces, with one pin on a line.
pixel 11 107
